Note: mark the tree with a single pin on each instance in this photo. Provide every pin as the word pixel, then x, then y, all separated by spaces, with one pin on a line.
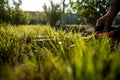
pixel 90 9
pixel 12 14
pixel 63 12
pixel 4 11
pixel 53 13
pixel 19 17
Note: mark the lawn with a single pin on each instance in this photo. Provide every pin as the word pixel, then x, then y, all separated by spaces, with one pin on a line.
pixel 37 52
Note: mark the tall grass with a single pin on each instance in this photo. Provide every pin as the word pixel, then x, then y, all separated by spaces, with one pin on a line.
pixel 67 56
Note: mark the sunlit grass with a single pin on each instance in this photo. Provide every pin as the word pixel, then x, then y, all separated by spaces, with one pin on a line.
pixel 67 56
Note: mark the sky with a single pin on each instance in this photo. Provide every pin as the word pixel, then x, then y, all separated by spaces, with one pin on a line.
pixel 35 5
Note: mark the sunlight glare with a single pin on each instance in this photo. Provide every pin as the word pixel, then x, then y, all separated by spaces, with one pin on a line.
pixel 33 5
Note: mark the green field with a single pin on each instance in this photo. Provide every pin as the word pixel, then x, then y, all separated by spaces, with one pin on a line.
pixel 60 56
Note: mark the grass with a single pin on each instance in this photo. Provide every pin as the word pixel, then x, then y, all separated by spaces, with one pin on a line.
pixel 66 57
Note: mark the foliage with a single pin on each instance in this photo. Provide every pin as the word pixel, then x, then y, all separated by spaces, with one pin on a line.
pixel 90 9
pixel 38 18
pixel 53 13
pixel 4 11
pixel 13 14
pixel 67 56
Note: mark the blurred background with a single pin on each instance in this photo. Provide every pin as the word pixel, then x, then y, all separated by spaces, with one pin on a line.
pixel 53 12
